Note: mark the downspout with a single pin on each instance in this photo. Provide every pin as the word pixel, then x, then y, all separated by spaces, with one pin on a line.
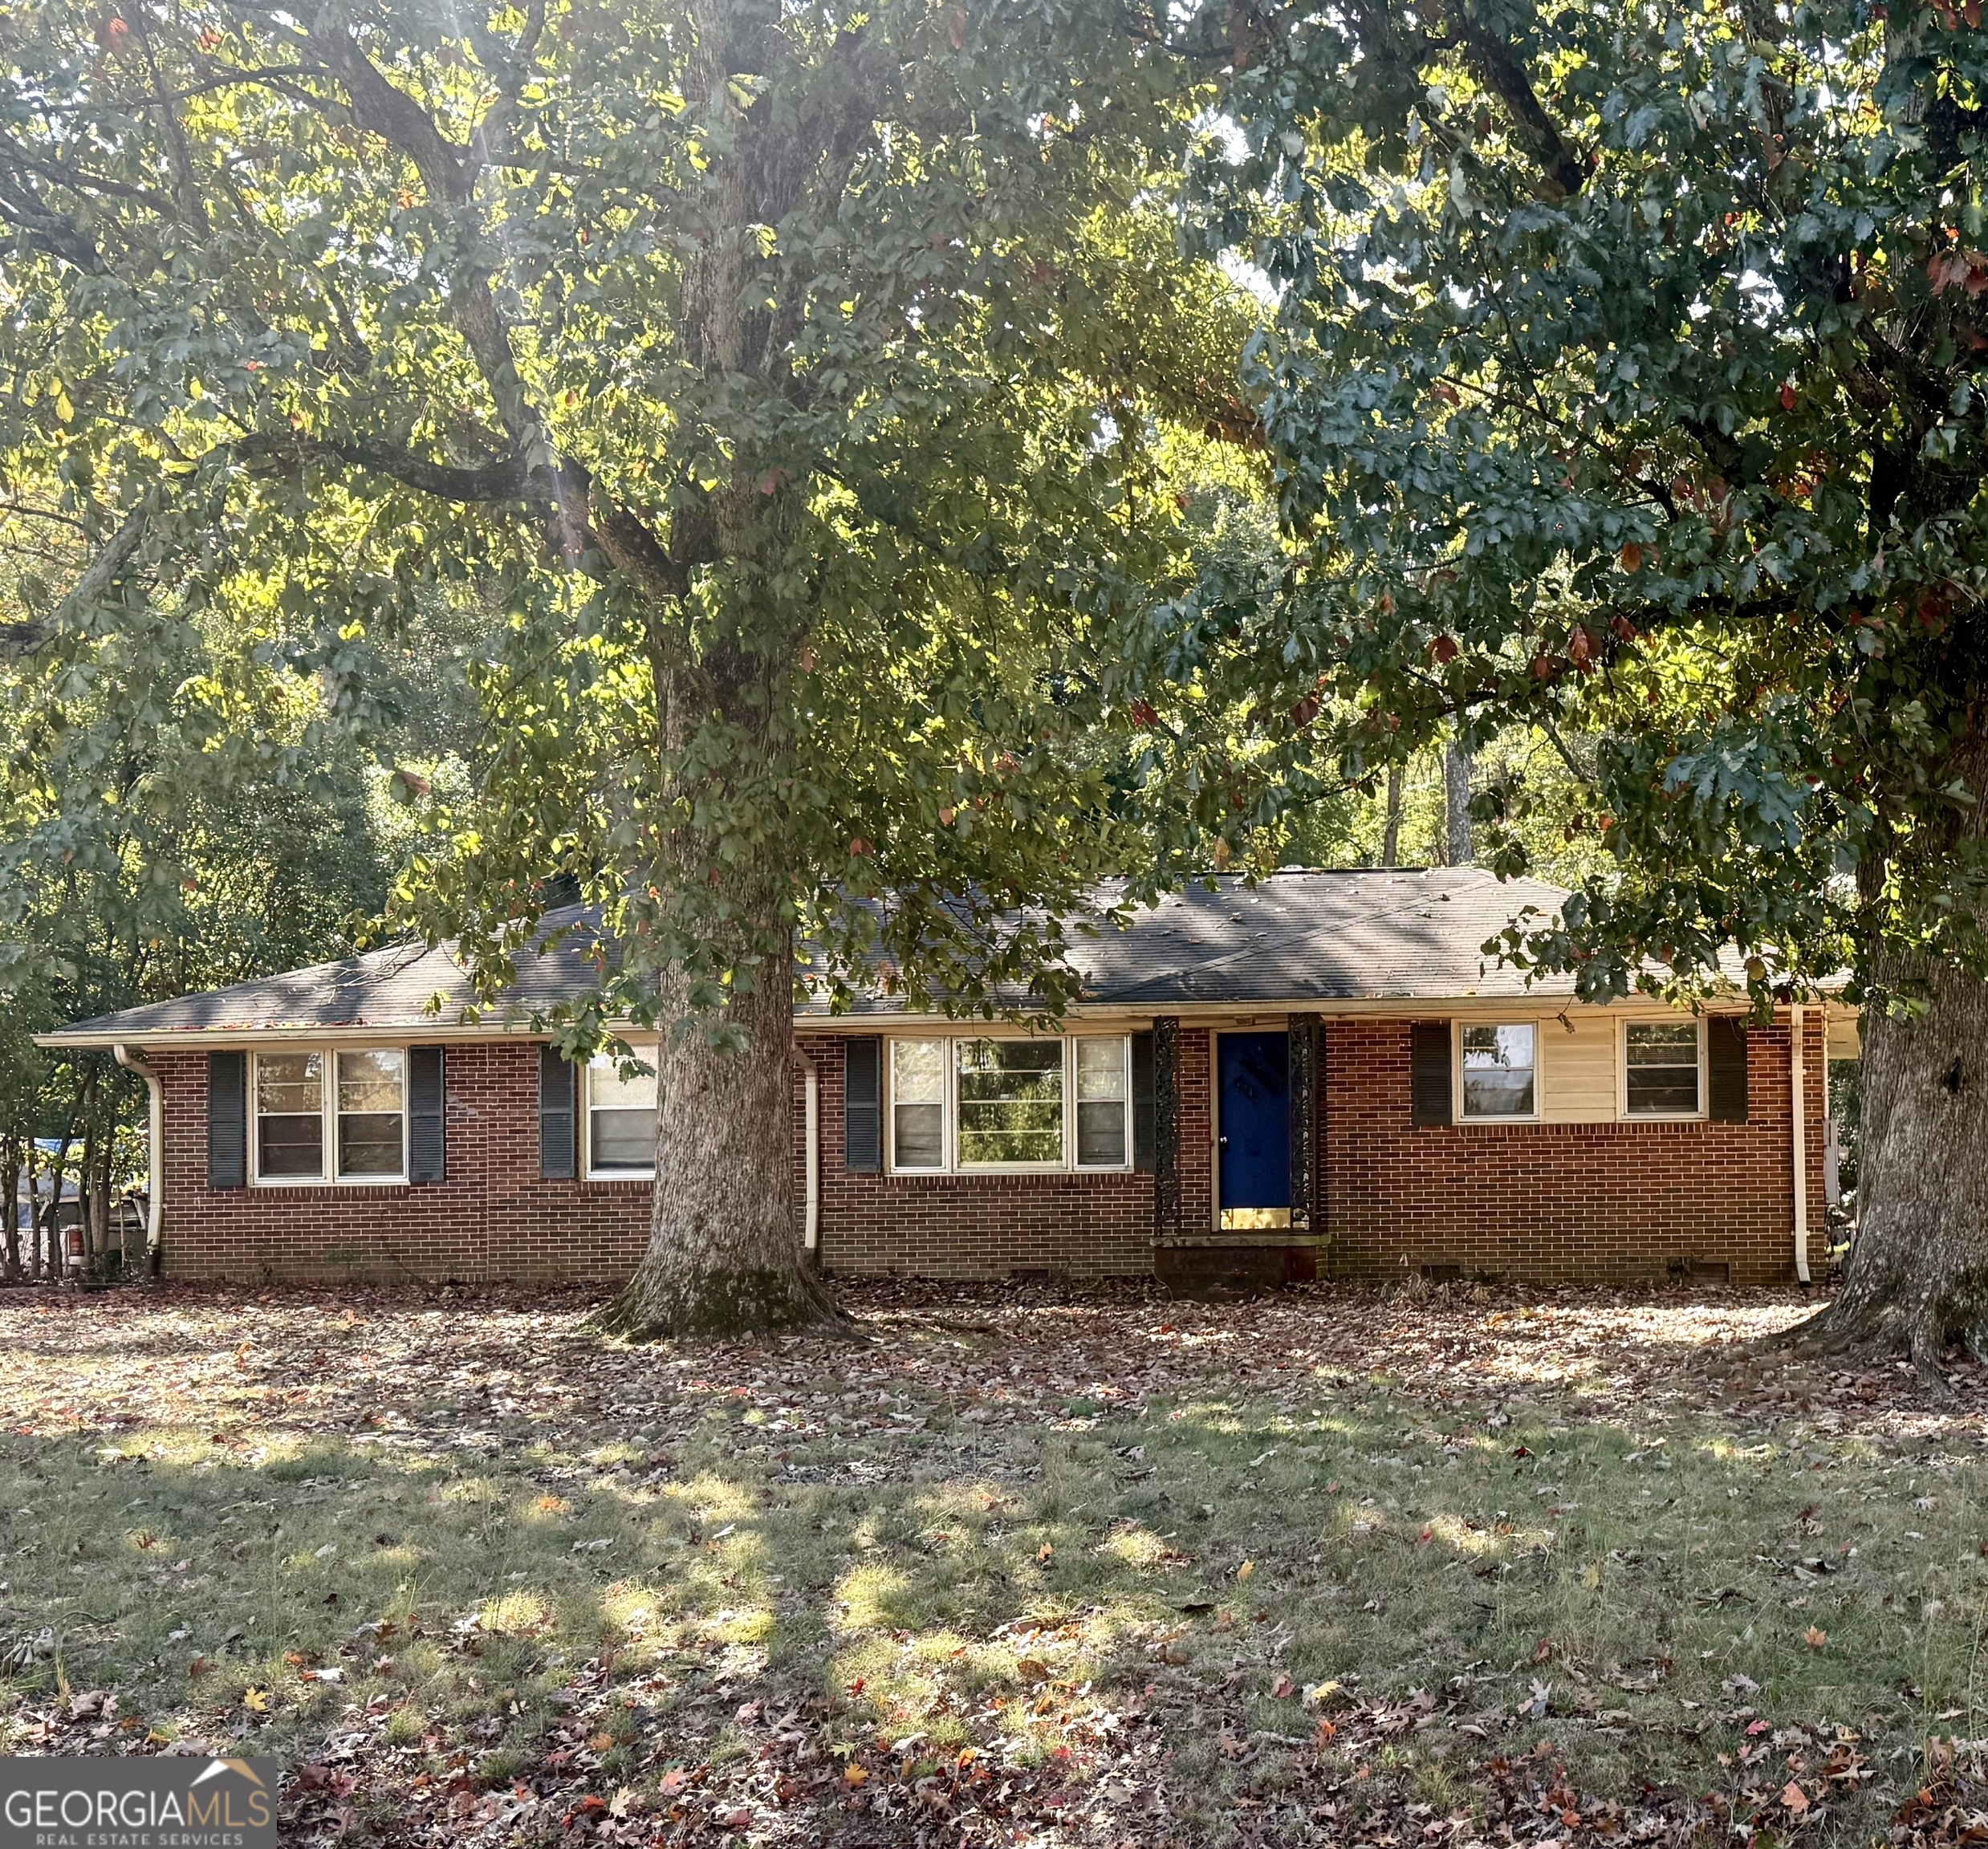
pixel 155 1156
pixel 810 1233
pixel 1799 1098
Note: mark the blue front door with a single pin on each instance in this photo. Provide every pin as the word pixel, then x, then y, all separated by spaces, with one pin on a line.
pixel 1253 1084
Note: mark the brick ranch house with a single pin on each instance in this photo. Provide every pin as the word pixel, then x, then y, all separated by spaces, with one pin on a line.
pixel 1318 1075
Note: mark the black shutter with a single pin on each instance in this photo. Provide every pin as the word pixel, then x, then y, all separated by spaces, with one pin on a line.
pixel 1429 1081
pixel 227 1119
pixel 1142 1103
pixel 558 1117
pixel 863 1104
pixel 1166 1128
pixel 1726 1066
pixel 427 1135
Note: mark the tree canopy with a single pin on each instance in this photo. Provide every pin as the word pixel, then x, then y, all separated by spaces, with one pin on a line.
pixel 1622 382
pixel 815 399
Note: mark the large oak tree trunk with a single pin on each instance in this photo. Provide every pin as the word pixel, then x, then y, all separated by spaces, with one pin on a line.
pixel 1918 1278
pixel 724 1253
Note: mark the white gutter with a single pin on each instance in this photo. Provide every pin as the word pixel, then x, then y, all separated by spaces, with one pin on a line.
pixel 155 1138
pixel 810 1233
pixel 1798 1114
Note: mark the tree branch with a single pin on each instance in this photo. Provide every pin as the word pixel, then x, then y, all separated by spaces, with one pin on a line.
pixel 103 571
pixel 54 233
pixel 450 174
pixel 506 479
pixel 1563 171
pixel 391 113
pixel 622 540
pixel 490 143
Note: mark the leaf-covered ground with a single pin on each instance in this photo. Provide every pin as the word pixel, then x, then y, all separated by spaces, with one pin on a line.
pixel 1090 1568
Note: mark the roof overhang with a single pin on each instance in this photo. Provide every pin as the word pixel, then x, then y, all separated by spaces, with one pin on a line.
pixel 423 1032
pixel 1126 1015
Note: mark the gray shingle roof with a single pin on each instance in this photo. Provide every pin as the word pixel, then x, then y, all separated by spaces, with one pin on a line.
pixel 1294 938
pixel 1299 935
pixel 385 989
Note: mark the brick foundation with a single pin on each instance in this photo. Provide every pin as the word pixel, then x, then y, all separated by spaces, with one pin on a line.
pixel 1550 1202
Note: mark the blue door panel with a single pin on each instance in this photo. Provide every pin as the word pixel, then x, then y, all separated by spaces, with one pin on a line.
pixel 1253 1081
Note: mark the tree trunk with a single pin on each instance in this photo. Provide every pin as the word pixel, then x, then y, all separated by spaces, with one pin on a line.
pixel 102 1211
pixel 1457 801
pixel 58 1172
pixel 724 1251
pixel 33 1216
pixel 86 1199
pixel 10 1191
pixel 1391 829
pixel 1918 1276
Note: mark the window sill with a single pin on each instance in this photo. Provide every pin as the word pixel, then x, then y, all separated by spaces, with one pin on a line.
pixel 279 1183
pixel 983 1173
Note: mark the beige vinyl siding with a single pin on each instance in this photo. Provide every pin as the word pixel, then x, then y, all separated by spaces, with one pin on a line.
pixel 1578 1079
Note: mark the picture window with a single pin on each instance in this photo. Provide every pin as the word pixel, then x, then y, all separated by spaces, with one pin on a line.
pixel 993 1103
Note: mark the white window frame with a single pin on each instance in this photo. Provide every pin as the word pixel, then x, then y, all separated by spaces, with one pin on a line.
pixel 588 1171
pixel 952 1167
pixel 1623 1111
pixel 1458 1114
pixel 328 1175
pixel 887 1084
pixel 1074 1102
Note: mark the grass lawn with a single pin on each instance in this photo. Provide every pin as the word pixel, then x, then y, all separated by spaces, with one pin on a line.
pixel 1100 1567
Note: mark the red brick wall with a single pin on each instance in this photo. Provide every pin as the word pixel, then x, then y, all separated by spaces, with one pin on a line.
pixel 1562 1201
pixel 493 1218
pixel 1547 1202
pixel 980 1225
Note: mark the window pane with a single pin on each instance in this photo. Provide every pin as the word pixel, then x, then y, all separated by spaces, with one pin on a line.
pixel 370 1096
pixel 289 1147
pixel 290 1116
pixel 369 1143
pixel 1498 1071
pixel 1662 1068
pixel 607 1091
pixel 1664 1043
pixel 292 1082
pixel 917 1071
pixel 918 1136
pixel 1662 1093
pixel 624 1139
pixel 1101 1135
pixel 1010 1101
pixel 1101 1068
pixel 369 1081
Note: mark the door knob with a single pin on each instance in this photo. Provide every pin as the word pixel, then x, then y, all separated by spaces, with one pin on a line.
pixel 1222 1142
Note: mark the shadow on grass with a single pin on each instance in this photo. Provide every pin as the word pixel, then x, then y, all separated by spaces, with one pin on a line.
pixel 507 1636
